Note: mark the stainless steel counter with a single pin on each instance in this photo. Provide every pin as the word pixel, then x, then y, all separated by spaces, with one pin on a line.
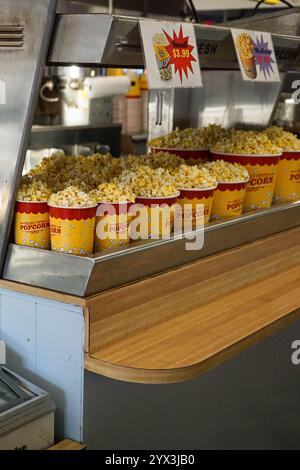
pixel 87 276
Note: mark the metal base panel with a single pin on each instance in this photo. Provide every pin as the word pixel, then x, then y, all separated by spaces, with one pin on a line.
pixel 84 277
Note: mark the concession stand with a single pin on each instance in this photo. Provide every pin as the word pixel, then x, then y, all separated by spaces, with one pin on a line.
pixel 151 344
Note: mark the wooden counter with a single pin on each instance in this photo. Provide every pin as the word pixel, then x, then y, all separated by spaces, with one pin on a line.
pixel 177 325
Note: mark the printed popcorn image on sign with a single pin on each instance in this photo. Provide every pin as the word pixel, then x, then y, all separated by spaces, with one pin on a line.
pixel 171 54
pixel 256 55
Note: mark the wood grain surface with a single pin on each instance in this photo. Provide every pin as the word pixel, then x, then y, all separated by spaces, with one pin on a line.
pixel 180 324
pixel 68 444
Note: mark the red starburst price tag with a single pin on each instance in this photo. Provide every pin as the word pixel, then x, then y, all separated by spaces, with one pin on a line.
pixel 171 54
pixel 180 51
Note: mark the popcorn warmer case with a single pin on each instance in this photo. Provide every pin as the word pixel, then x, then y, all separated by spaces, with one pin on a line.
pixel 101 40
pixel 152 312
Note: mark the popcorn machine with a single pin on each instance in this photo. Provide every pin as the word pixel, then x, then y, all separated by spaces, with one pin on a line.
pixel 29 42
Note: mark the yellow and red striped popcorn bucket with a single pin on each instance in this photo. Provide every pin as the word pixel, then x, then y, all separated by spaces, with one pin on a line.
pixel 112 225
pixel 32 227
pixel 287 187
pixel 193 200
pixel 262 170
pixel 159 212
pixel 72 229
pixel 228 200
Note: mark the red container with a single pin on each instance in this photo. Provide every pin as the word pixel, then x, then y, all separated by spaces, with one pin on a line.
pixel 160 214
pixel 112 225
pixel 32 227
pixel 194 198
pixel 262 170
pixel 287 187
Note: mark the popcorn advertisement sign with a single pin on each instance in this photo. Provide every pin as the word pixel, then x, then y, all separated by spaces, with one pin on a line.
pixel 256 55
pixel 171 54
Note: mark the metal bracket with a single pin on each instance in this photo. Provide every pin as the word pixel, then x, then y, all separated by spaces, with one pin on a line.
pixel 2 353
pixel 22 61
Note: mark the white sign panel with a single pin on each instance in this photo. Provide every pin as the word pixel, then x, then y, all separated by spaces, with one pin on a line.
pixel 171 54
pixel 256 55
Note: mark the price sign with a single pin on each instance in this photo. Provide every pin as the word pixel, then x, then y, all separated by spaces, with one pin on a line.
pixel 171 55
pixel 256 55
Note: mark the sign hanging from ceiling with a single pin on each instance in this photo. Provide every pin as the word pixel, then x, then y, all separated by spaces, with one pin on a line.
pixel 171 54
pixel 256 55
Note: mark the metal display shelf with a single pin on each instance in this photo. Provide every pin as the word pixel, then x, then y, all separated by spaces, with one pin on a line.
pixel 115 40
pixel 102 40
pixel 88 276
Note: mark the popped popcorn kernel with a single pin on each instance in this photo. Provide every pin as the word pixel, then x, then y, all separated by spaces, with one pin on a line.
pixel 111 192
pixel 190 138
pixel 149 182
pixel 33 191
pixel 193 177
pixel 72 197
pixel 284 139
pixel 247 143
pixel 225 172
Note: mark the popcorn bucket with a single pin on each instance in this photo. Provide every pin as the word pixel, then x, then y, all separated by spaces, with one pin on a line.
pixel 72 229
pixel 32 227
pixel 287 187
pixel 263 171
pixel 249 66
pixel 112 225
pixel 247 58
pixel 162 56
pixel 159 212
pixel 193 198
pixel 186 154
pixel 228 200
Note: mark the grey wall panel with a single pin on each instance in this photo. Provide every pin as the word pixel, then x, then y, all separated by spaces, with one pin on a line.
pixel 250 402
pixel 227 100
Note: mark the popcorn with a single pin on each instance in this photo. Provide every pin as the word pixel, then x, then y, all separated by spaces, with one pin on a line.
pixel 284 139
pixel 195 162
pixel 149 182
pixel 111 192
pixel 126 177
pixel 32 191
pixel 225 172
pixel 160 38
pixel 190 138
pixel 153 160
pixel 163 160
pixel 180 139
pixel 61 171
pixel 245 46
pixel 131 162
pixel 247 143
pixel 72 197
pixel 193 177
pixel 78 183
pixel 213 133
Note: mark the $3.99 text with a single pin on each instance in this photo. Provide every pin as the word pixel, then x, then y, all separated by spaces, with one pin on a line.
pixel 181 53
